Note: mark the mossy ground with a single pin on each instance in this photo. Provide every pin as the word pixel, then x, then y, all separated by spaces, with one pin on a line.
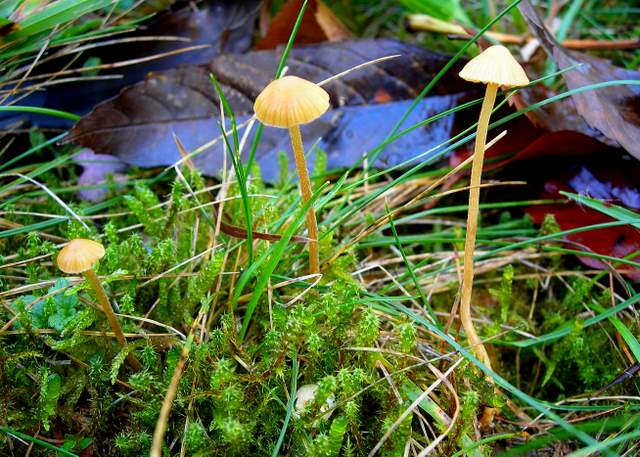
pixel 368 333
pixel 174 276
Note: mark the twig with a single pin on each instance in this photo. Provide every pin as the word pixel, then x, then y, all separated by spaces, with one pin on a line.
pixel 426 23
pixel 172 390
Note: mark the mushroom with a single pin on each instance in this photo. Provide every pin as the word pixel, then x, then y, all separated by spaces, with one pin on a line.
pixel 289 102
pixel 494 67
pixel 80 256
pixel 306 395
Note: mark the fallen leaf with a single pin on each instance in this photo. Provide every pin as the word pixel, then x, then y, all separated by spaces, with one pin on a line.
pixel 569 161
pixel 561 115
pixel 602 172
pixel 318 24
pixel 615 110
pixel 221 25
pixel 524 142
pixel 96 169
pixel 224 26
pixel 138 125
pixel 400 78
pixel 620 241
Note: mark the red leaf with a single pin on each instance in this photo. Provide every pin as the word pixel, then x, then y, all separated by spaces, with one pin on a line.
pixel 599 172
pixel 526 142
pixel 610 185
pixel 318 24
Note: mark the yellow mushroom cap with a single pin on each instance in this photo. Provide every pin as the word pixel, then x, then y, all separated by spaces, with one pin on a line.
pixel 79 256
pixel 290 101
pixel 495 65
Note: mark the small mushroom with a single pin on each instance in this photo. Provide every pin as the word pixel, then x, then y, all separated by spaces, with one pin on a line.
pixel 305 396
pixel 494 67
pixel 79 256
pixel 289 102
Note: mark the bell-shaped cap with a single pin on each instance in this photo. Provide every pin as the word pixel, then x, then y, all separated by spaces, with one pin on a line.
pixel 495 65
pixel 79 256
pixel 290 101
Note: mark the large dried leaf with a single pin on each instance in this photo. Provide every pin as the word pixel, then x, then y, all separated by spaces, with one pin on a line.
pixel 615 110
pixel 559 116
pixel 318 24
pixel 218 25
pixel 138 125
pixel 524 142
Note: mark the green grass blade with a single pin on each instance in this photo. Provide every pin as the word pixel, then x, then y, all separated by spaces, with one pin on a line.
pixel 568 19
pixel 39 110
pixel 616 212
pixel 290 405
pixel 604 445
pixel 486 440
pixel 241 172
pixel 55 14
pixel 41 443
pixel 410 269
pixel 292 37
pixel 32 150
pixel 608 425
pixel 279 70
pixel 566 328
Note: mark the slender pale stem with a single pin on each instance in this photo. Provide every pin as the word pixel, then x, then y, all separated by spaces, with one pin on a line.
pixel 305 188
pixel 472 225
pixel 165 410
pixel 111 316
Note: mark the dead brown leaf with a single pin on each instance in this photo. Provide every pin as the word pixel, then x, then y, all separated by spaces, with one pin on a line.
pixel 615 110
pixel 318 24
pixel 138 125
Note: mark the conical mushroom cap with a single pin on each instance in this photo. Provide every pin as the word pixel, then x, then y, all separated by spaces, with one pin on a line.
pixel 79 256
pixel 495 65
pixel 290 101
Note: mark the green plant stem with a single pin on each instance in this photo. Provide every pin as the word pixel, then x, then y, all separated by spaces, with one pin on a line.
pixel 472 226
pixel 111 316
pixel 13 433
pixel 290 406
pixel 39 110
pixel 305 188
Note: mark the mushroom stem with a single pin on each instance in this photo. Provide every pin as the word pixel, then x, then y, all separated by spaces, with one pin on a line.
pixel 305 188
pixel 472 225
pixel 111 316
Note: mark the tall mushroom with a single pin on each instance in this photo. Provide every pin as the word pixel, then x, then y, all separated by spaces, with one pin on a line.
pixel 494 67
pixel 80 256
pixel 289 102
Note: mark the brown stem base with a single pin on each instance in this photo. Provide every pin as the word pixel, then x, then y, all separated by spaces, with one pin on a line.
pixel 111 316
